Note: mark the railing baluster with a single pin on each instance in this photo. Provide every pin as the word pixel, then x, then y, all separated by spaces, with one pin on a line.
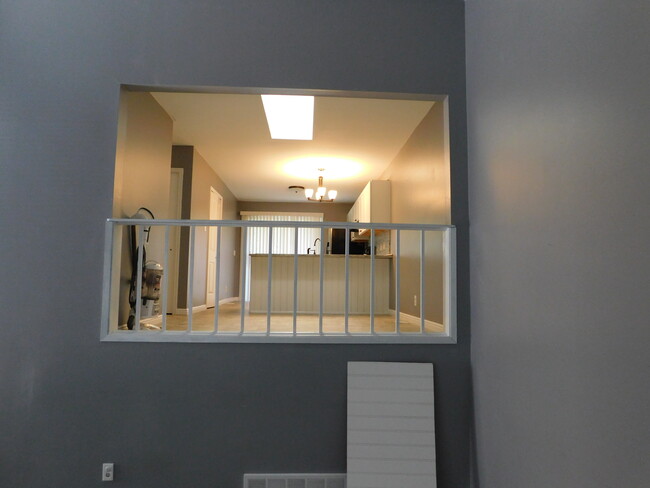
pixel 217 282
pixel 372 281
pixel 242 278
pixel 422 248
pixel 190 280
pixel 164 285
pixel 295 280
pixel 109 300
pixel 269 281
pixel 398 324
pixel 449 282
pixel 347 280
pixel 322 277
pixel 138 281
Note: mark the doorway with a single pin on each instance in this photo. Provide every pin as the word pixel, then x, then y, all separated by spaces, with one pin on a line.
pixel 216 213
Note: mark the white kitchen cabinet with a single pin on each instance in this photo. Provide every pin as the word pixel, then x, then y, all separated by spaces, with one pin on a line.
pixel 373 204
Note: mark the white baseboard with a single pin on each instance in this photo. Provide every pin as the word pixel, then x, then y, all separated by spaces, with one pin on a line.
pixel 228 300
pixel 201 308
pixel 412 319
pixel 196 309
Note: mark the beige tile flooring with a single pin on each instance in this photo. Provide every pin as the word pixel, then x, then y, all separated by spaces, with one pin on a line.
pixel 230 319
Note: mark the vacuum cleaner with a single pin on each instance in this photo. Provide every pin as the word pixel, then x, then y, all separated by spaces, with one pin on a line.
pixel 151 273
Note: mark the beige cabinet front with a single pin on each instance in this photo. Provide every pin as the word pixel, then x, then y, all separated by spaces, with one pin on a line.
pixel 282 275
pixel 373 204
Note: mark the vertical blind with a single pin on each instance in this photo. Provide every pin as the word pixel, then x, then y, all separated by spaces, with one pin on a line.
pixel 257 239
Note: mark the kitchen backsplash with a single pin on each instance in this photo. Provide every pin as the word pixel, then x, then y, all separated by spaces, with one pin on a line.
pixel 382 242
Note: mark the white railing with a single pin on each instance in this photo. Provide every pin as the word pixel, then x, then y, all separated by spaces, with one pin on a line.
pixel 405 329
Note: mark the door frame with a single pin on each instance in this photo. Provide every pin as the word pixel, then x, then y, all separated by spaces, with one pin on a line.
pixel 210 277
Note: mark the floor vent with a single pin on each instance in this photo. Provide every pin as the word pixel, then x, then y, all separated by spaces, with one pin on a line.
pixel 294 480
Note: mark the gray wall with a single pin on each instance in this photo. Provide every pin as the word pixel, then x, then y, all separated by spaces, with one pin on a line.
pixel 559 167
pixel 420 185
pixel 185 414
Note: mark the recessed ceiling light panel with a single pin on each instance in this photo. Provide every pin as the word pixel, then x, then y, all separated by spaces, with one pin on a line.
pixel 290 116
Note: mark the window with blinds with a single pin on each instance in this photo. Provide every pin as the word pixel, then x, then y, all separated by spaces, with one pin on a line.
pixel 257 239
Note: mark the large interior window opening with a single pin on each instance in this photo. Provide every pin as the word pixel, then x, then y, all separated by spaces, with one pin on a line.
pixel 383 157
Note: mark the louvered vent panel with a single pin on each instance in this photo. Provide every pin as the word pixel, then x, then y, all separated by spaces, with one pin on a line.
pixel 391 433
pixel 295 480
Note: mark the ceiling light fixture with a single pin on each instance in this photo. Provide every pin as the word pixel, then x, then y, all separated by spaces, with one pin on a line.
pixel 319 194
pixel 290 116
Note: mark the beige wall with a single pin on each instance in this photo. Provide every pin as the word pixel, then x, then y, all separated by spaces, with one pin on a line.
pixel 197 179
pixel 419 174
pixel 143 156
pixel 420 188
pixel 332 212
pixel 142 162
pixel 203 177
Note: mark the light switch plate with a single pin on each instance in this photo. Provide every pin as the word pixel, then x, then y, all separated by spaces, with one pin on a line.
pixel 107 472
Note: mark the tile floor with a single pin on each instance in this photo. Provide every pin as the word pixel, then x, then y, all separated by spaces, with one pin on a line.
pixel 230 319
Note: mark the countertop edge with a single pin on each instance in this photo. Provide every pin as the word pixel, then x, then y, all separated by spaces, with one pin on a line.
pixel 327 256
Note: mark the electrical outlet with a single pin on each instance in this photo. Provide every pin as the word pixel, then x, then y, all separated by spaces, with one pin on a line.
pixel 415 300
pixel 107 472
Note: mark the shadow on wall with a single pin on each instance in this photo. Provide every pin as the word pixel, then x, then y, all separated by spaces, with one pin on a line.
pixel 420 193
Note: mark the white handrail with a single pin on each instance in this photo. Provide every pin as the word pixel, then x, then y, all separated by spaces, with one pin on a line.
pixel 279 223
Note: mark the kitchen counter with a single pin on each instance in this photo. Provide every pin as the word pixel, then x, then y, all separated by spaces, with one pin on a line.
pixel 309 283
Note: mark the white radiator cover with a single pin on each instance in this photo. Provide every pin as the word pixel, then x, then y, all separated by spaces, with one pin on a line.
pixel 391 433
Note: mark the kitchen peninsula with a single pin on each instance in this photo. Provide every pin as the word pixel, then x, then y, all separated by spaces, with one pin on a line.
pixel 282 275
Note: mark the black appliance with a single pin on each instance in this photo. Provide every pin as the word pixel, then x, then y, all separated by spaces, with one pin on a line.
pixel 338 243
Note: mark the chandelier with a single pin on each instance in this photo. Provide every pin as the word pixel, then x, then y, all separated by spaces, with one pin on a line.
pixel 319 194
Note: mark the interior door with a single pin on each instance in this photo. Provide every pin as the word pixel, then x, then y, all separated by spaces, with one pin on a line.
pixel 216 213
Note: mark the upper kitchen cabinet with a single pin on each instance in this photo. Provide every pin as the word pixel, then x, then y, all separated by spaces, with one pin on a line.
pixel 373 204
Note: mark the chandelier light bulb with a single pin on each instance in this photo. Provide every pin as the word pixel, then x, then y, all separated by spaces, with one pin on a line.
pixel 321 191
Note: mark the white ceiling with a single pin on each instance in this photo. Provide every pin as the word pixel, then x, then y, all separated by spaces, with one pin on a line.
pixel 230 132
